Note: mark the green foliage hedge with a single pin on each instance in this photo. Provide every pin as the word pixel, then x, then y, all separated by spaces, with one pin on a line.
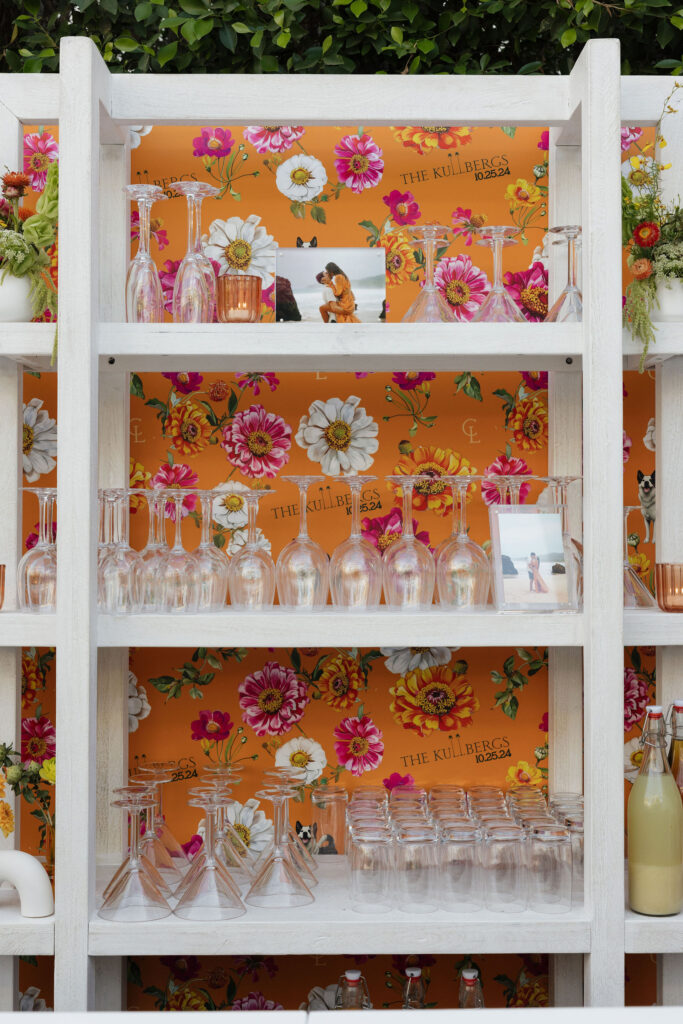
pixel 343 36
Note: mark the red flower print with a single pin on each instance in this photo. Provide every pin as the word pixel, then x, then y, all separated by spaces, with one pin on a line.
pixel 181 967
pixel 382 531
pixel 180 476
pixel 254 381
pixel 212 725
pixel 273 699
pixel 544 141
pixel 158 233
pixel 502 466
pixel 396 779
pixel 543 724
pixel 636 698
pixel 646 233
pixel 32 538
pixel 257 442
pixel 213 142
pixel 38 739
pixel 184 383
pixel 403 207
pixel 409 381
pixel 535 380
pixel 465 224
pixel 359 745
pixel 529 289
pixel 360 164
pixel 167 276
pixel 193 846
pixel 253 965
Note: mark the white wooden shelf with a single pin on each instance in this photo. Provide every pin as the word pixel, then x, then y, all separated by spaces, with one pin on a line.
pixel 28 344
pixel 653 934
pixel 329 926
pixel 652 626
pixel 23 936
pixel 668 343
pixel 332 628
pixel 27 629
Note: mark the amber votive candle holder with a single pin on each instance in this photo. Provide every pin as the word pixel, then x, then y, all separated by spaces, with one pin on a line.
pixel 238 298
pixel 669 578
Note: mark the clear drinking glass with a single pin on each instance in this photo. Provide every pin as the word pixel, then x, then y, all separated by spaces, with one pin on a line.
pixel 460 868
pixel 212 894
pixel 303 568
pixel 154 553
pixel 568 307
pixel 194 290
pixel 506 875
pixel 550 874
pixel 356 564
pixel 120 570
pixel 134 792
pixel 251 573
pixel 144 294
pixel 498 307
pixel 211 563
pixel 279 884
pixel 177 572
pixel 463 572
pixel 408 568
pixel 574 825
pixel 370 872
pixel 37 569
pixel 417 865
pixel 328 824
pixel 636 594
pixel 430 305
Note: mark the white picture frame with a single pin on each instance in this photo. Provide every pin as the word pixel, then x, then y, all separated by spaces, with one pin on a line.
pixel 300 297
pixel 528 545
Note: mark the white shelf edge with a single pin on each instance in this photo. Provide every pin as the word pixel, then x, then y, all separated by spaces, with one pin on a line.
pixel 652 626
pixel 28 344
pixel 23 936
pixel 27 629
pixel 653 934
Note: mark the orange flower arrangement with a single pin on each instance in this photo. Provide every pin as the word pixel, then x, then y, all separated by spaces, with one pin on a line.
pixel 426 138
pixel 340 681
pixel 435 462
pixel 529 423
pixel 188 428
pixel 400 258
pixel 432 699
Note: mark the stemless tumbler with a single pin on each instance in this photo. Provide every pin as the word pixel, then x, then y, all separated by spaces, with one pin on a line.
pixel 460 868
pixel 329 819
pixel 417 870
pixel 550 876
pixel 370 863
pixel 505 869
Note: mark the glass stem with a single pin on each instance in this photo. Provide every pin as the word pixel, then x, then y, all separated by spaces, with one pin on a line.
pixel 134 836
pixel 151 818
pixel 252 512
pixel 626 558
pixel 178 542
pixel 42 519
pixel 160 521
pixel 144 208
pixel 158 806
pixel 462 495
pixel 194 241
pixel 303 525
pixel 355 511
pixel 279 824
pixel 497 263
pixel 115 517
pixel 210 838
pixel 123 519
pixel 407 510
pixel 207 502
pixel 571 262
pixel 430 245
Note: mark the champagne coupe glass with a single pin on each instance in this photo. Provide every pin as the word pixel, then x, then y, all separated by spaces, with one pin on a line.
pixel 37 570
pixel 162 771
pixel 134 898
pixel 144 294
pixel 251 574
pixel 356 564
pixel 212 563
pixel 568 308
pixel 279 884
pixel 153 554
pixel 463 571
pixel 636 594
pixel 178 578
pixel 212 894
pixel 121 567
pixel 430 305
pixel 303 568
pixel 498 307
pixel 194 291
pixel 408 568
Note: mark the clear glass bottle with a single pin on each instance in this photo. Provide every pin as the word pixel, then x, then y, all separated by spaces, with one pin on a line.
pixel 655 828
pixel 471 996
pixel 676 747
pixel 413 989
pixel 352 992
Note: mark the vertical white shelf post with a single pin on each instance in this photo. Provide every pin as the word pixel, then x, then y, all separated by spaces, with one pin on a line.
pixel 83 87
pixel 596 86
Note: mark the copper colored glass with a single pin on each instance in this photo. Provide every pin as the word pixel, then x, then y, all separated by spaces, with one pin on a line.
pixel 238 298
pixel 669 577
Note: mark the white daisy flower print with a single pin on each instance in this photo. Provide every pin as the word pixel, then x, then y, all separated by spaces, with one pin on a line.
pixel 39 442
pixel 301 178
pixel 239 538
pixel 304 754
pixel 230 508
pixel 407 659
pixel 242 247
pixel 339 435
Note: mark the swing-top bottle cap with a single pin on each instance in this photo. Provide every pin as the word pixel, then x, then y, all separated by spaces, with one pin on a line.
pixel 352 975
pixel 678 704
pixel 470 974
pixel 654 711
pixel 413 972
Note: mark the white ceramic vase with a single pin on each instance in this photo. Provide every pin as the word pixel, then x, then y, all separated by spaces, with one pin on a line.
pixel 15 305
pixel 670 299
pixel 30 879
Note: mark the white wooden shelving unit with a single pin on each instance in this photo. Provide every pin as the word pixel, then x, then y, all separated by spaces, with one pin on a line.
pixel 97 352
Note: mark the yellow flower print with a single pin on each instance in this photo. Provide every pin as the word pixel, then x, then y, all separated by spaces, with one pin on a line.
pixel 138 478
pixel 533 994
pixel 428 138
pixel 6 819
pixel 529 424
pixel 522 193
pixel 432 462
pixel 641 563
pixel 430 699
pixel 188 428
pixel 340 681
pixel 48 770
pixel 522 774
pixel 400 258
pixel 186 999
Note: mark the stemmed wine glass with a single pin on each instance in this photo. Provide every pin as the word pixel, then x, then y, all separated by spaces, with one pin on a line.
pixel 178 579
pixel 560 486
pixel 568 307
pixel 144 294
pixel 509 486
pixel 37 570
pixel 356 564
pixel 194 291
pixel 303 567
pixel 430 305
pixel 636 594
pixel 408 568
pixel 154 552
pixel 211 563
pixel 463 571
pixel 120 568
pixel 251 573
pixel 498 307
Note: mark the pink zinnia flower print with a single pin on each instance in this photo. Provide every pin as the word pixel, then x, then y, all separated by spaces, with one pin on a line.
pixel 180 476
pixel 255 1001
pixel 257 442
pixel 167 276
pixel 627 442
pixel 409 381
pixel 529 289
pixel 184 382
pixel 39 152
pixel 213 142
pixel 267 296
pixel 543 724
pixel 383 531
pixel 192 846
pixel 544 141
pixel 273 699
pixel 254 381
pixel 396 779
pixel 629 136
pixel 464 224
pixel 181 967
pixel 636 698
pixel 502 466
pixel 403 207
pixel 273 138
pixel 360 164
pixel 535 380
pixel 158 233
pixel 463 286
pixel 38 739
pixel 33 537
pixel 212 725
pixel 359 746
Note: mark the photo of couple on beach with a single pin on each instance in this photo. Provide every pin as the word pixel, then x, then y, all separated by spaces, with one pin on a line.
pixel 530 563
pixel 330 286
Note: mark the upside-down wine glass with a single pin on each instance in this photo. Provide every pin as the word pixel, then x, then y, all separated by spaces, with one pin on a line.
pixel 430 305
pixel 120 570
pixel 356 564
pixel 37 570
pixel 408 569
pixel 212 895
pixel 279 884
pixel 509 486
pixel 303 567
pixel 568 307
pixel 560 488
pixel 178 579
pixel 498 307
pixel 194 290
pixel 212 563
pixel 154 552
pixel 636 594
pixel 144 294
pixel 251 574
pixel 463 572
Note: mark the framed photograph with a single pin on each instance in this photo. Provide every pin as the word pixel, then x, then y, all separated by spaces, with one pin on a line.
pixel 330 286
pixel 531 567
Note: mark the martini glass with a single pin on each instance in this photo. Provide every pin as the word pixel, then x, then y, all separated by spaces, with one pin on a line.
pixel 498 307
pixel 177 571
pixel 568 307
pixel 430 305
pixel 279 884
pixel 37 570
pixel 162 772
pixel 135 792
pixel 134 898
pixel 212 895
pixel 154 552
pixel 408 565
pixel 232 862
pixel 211 563
pixel 230 845
pixel 144 294
pixel 151 844
pixel 300 856
pixel 463 571
pixel 356 564
pixel 194 290
pixel 303 568
pixel 251 574
pixel 636 594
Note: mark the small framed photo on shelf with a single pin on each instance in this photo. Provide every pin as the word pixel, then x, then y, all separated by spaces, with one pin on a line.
pixel 531 567
pixel 330 286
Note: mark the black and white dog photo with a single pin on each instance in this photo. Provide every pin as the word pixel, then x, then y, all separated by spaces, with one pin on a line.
pixel 308 836
pixel 313 244
pixel 647 495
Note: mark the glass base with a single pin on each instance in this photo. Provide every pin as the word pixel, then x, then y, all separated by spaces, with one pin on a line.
pixel 429 307
pixel 499 308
